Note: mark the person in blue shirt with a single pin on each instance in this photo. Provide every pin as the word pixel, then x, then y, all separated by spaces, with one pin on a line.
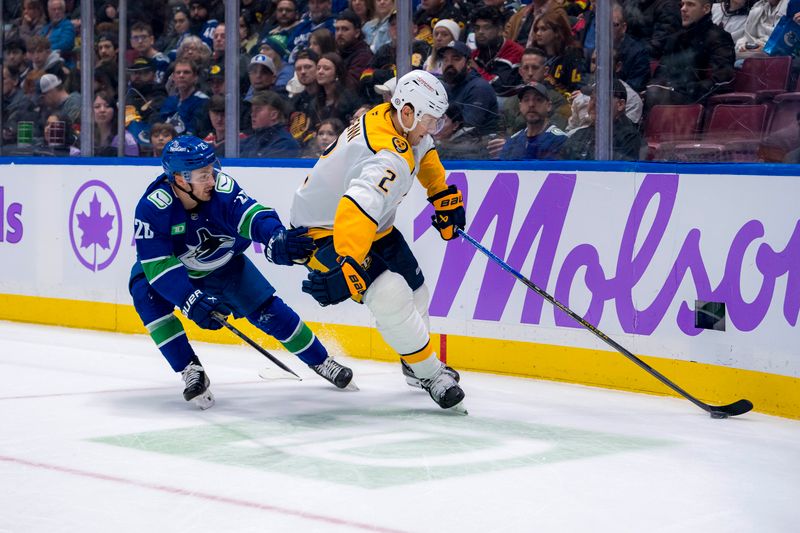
pixel 539 139
pixel 270 137
pixel 191 228
pixel 186 109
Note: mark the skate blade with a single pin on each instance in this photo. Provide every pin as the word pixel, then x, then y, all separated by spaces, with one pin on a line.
pixel 459 409
pixel 203 401
pixel 351 386
pixel 271 373
pixel 414 382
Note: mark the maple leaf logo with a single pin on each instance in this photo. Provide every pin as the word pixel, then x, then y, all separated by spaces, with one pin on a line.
pixel 95 226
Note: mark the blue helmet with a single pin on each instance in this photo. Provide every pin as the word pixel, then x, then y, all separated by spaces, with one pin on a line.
pixel 186 153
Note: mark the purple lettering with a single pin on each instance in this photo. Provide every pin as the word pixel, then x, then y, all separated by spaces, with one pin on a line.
pixel 14 223
pixel 545 219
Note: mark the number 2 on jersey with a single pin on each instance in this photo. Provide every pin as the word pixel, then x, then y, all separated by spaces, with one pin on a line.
pixel 389 177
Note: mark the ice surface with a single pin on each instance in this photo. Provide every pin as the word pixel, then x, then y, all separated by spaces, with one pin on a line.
pixel 95 436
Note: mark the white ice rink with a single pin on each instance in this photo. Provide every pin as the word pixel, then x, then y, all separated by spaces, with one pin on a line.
pixel 95 436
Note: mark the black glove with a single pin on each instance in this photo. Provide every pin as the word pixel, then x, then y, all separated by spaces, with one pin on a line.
pixel 287 247
pixel 199 307
pixel 346 280
pixel 450 214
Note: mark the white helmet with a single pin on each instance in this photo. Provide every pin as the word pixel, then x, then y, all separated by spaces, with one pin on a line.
pixel 424 92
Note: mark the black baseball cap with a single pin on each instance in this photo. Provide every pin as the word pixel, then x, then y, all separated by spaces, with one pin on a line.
pixel 458 46
pixel 535 86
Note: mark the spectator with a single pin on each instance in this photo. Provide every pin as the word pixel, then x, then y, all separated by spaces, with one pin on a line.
pixel 55 99
pixel 160 134
pixel 59 30
pixel 180 30
pixel 496 58
pixel 362 110
pixel 376 30
pixel 218 53
pixel 444 32
pixel 186 109
pixel 105 78
pixel 384 58
pixel 322 42
pixel 142 41
pixel 317 17
pixel 275 48
pixel 520 25
pixel 352 48
pixel 386 89
pixel 365 9
pixel 761 20
pixel 59 136
pixel 248 36
pixel 216 79
pixel 106 139
pixel 697 61
pixel 286 20
pixel 653 22
pixel 431 11
pixel 539 139
pixel 627 141
pixel 466 88
pixel 580 100
pixel 456 140
pixel 30 23
pixel 270 138
pixel 533 67
pixel 216 116
pixel 16 106
pixel 327 132
pixel 44 60
pixel 731 15
pixel 107 49
pixel 144 94
pixel 632 54
pixel 305 68
pixel 202 23
pixel 334 99
pixel 14 52
pixel 565 60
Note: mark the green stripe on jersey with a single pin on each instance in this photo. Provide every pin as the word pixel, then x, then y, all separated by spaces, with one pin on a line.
pixel 154 268
pixel 246 224
pixel 301 340
pixel 166 330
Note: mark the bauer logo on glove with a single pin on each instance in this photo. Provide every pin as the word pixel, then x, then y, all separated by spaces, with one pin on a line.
pixel 450 215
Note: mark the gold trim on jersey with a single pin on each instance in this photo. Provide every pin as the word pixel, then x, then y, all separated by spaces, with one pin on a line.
pixel 353 230
pixel 380 134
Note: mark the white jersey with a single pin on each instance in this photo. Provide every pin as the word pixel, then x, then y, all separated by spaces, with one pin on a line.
pixel 364 175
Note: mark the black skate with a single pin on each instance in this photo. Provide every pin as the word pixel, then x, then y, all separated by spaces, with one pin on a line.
pixel 197 382
pixel 414 381
pixel 339 375
pixel 444 390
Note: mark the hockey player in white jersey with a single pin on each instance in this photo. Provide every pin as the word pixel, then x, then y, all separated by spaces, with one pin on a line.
pixel 349 201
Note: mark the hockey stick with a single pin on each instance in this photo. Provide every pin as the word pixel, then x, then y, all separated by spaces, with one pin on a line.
pixel 716 411
pixel 221 319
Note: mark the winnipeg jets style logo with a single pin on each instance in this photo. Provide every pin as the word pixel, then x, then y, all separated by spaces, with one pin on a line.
pixel 211 252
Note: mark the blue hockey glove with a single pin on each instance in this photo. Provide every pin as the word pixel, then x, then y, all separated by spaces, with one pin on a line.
pixel 450 214
pixel 346 280
pixel 287 247
pixel 199 306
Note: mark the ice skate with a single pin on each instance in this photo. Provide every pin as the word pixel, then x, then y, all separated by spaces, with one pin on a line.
pixel 197 382
pixel 445 391
pixel 414 381
pixel 339 375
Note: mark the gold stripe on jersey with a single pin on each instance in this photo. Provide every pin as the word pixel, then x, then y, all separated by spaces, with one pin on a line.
pixel 353 230
pixel 380 134
pixel 431 173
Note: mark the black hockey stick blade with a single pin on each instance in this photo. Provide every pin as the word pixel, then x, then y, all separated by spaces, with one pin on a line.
pixel 222 320
pixel 722 411
pixel 734 409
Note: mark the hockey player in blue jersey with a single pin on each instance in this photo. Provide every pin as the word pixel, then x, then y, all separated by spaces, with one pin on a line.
pixel 191 229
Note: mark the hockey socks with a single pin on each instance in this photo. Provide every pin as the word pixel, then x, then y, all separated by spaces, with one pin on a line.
pixel 279 320
pixel 170 338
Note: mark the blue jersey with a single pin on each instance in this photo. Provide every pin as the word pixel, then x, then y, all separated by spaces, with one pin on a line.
pixel 543 146
pixel 174 245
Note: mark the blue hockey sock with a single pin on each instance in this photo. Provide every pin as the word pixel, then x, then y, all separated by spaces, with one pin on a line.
pixel 279 320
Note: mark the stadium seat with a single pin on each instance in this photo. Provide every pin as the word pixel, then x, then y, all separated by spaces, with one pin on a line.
pixel 734 133
pixel 760 79
pixel 783 134
pixel 671 123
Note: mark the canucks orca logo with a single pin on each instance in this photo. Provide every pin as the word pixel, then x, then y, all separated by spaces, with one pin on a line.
pixel 211 252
